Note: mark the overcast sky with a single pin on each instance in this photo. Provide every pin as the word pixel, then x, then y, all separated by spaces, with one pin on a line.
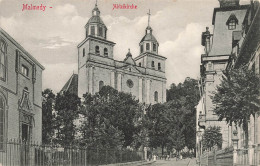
pixel 52 36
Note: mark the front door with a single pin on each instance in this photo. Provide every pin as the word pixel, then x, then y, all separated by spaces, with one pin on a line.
pixel 25 150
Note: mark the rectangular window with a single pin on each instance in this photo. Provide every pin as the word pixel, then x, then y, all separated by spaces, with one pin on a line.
pixel 2 61
pixel 232 24
pixel 100 31
pixel 154 47
pixel 147 46
pixel 83 52
pixel 92 30
pixel 2 115
pixel 25 70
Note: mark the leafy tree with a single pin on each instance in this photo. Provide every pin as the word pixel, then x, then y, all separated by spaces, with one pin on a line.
pixel 47 116
pixel 235 97
pixel 66 109
pixel 110 108
pixel 186 94
pixel 211 137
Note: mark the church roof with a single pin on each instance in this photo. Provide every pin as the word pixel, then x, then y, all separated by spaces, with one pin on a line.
pixel 71 85
pixel 149 37
pixel 95 19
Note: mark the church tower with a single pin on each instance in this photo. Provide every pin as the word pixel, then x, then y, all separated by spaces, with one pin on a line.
pixel 149 57
pixel 94 53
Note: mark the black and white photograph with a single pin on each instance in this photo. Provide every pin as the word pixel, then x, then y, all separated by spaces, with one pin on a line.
pixel 129 82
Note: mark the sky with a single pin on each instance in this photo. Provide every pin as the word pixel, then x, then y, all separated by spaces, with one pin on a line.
pixel 52 36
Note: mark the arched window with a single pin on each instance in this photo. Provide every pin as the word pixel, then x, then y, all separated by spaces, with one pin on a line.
pixel 154 47
pixel 142 48
pixel 100 31
pixel 97 50
pixel 105 52
pixel 101 84
pixel 2 60
pixel 156 96
pixel 147 46
pixel 83 52
pixel 152 63
pixel 159 66
pixel 140 64
pixel 2 121
pixel 92 30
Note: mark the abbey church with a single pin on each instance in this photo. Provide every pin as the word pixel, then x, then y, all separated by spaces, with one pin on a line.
pixel 143 76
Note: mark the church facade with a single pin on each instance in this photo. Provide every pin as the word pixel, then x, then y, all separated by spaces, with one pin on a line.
pixel 143 76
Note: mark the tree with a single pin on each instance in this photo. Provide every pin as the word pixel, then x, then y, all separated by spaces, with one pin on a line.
pixel 47 116
pixel 212 137
pixel 186 94
pixel 67 111
pixel 110 108
pixel 235 97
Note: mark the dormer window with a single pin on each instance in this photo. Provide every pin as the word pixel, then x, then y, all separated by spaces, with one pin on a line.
pixel 97 50
pixel 232 25
pixel 92 30
pixel 147 46
pixel 105 52
pixel 232 22
pixel 140 64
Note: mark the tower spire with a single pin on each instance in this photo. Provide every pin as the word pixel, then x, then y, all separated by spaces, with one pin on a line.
pixel 96 3
pixel 149 14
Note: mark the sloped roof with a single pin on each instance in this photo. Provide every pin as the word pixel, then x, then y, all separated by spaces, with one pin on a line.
pixel 71 85
pixel 149 37
pixel 96 19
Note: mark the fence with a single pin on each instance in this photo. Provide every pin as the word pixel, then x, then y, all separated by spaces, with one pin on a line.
pixel 218 158
pixel 21 154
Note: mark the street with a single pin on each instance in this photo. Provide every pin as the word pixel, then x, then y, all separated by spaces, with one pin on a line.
pixel 173 162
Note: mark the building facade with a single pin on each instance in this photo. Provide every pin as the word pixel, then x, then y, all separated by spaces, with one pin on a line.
pixel 227 19
pixel 142 76
pixel 235 42
pixel 20 93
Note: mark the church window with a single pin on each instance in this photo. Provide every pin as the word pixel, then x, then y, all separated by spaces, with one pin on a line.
pixel 25 70
pixel 2 60
pixel 100 31
pixel 147 46
pixel 152 63
pixel 156 96
pixel 154 47
pixel 142 48
pixel 97 50
pixel 92 30
pixel 101 84
pixel 140 64
pixel 159 66
pixel 83 52
pixel 105 52
pixel 130 83
pixel 2 121
pixel 105 34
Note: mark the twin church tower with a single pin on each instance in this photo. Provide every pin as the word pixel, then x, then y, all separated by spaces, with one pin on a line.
pixel 142 76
